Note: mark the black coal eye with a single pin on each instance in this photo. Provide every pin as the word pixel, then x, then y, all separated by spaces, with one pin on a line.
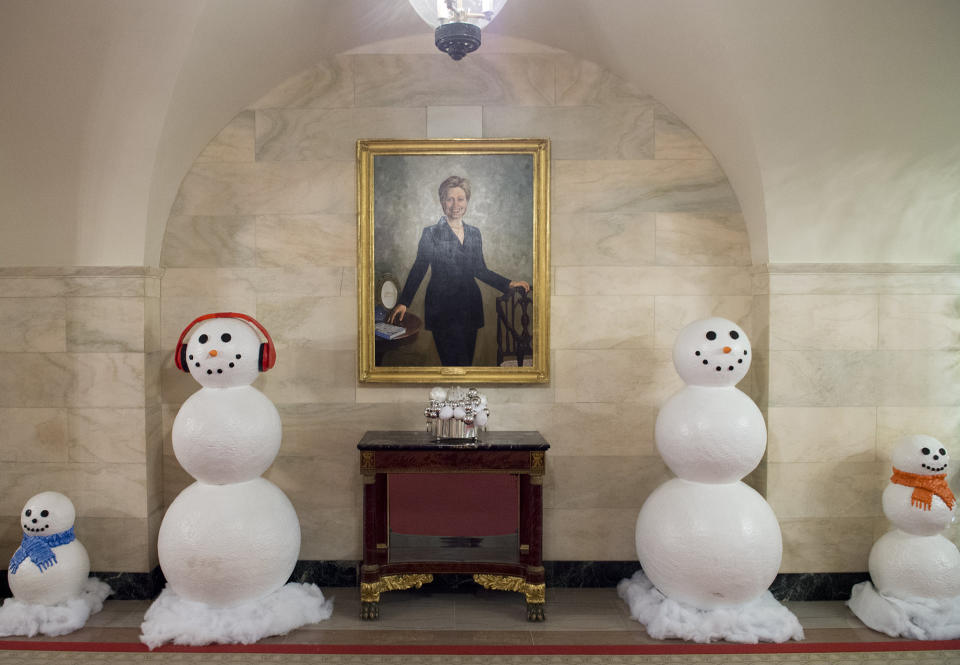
pixel 925 451
pixel 203 339
pixel 225 337
pixel 697 353
pixel 44 513
pixel 943 452
pixel 711 335
pixel 28 513
pixel 734 334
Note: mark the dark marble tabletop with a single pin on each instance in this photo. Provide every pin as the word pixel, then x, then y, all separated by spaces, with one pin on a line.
pixel 406 440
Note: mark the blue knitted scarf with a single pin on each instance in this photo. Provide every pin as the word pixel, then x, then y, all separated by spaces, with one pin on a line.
pixel 39 549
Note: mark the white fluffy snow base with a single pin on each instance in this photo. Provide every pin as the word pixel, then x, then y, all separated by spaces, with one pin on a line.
pixel 760 620
pixel 181 621
pixel 20 618
pixel 915 618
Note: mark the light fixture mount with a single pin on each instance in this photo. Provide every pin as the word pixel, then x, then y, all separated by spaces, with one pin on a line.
pixel 457 23
pixel 457 39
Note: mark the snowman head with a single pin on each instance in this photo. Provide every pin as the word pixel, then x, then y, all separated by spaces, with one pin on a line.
pixel 712 352
pixel 47 513
pixel 920 454
pixel 224 350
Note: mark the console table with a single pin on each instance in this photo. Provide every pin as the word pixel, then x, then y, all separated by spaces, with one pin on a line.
pixel 432 508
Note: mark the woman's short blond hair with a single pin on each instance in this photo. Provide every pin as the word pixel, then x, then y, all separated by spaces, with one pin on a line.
pixel 454 181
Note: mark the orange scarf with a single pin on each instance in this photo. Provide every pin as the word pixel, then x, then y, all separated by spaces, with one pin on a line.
pixel 924 487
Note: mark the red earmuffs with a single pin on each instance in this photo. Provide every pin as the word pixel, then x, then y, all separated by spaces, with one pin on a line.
pixel 268 353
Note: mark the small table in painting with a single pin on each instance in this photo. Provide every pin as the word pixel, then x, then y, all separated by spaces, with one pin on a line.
pixel 441 507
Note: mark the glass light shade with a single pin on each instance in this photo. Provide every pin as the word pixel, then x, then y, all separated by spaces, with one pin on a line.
pixel 476 12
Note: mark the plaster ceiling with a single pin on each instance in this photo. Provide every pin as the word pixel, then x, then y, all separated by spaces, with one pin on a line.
pixel 838 123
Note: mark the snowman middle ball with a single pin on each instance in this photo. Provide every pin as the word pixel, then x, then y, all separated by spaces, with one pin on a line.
pixel 708 545
pixel 225 544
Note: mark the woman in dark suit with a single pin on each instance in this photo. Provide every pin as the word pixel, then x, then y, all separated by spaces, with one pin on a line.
pixel 453 251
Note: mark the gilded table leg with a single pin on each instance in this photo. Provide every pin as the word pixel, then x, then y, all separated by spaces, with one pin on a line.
pixel 535 593
pixel 370 591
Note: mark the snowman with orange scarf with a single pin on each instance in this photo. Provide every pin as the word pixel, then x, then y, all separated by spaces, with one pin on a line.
pixel 915 570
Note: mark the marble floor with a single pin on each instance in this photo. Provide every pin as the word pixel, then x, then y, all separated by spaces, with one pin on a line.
pixel 482 617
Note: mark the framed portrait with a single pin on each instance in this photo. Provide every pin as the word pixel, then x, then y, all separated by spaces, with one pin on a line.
pixel 453 260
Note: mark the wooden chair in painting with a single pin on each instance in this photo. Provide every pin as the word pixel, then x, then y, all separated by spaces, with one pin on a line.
pixel 514 341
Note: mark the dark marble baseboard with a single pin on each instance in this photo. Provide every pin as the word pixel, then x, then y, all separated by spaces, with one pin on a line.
pixel 562 574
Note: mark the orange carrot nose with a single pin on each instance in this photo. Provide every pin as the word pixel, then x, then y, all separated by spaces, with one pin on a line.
pixel 213 352
pixel 726 349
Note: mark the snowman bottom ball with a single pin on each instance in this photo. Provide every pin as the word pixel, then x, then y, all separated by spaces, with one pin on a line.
pixel 225 544
pixel 906 566
pixel 61 581
pixel 708 545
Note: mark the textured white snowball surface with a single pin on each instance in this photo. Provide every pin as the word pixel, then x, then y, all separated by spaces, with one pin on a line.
pixel 226 544
pixel 712 352
pixel 710 435
pixel 172 618
pixel 904 565
pixel 223 353
pixel 922 454
pixel 913 618
pixel 47 514
pixel 762 619
pixel 20 618
pixel 708 545
pixel 227 435
pixel 899 509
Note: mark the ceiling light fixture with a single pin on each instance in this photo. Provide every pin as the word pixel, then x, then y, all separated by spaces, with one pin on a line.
pixel 457 22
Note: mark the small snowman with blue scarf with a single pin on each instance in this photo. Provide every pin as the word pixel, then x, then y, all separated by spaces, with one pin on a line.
pixel 51 565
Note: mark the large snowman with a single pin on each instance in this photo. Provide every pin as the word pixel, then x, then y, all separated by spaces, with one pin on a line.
pixel 231 539
pixel 915 570
pixel 709 545
pixel 48 574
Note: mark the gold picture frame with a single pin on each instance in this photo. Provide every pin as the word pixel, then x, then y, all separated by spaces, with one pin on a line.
pixel 501 234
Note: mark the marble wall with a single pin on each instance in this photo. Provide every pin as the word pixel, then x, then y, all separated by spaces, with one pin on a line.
pixel 80 408
pixel 646 236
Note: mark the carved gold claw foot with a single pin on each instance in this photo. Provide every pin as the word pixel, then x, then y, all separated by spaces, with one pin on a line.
pixel 369 611
pixel 535 612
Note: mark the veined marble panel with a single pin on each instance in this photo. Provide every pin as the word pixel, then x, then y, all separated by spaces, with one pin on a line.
pixel 120 286
pixel 835 545
pixel 601 322
pixel 306 240
pixel 578 132
pixel 107 435
pixel 33 435
pixel 602 239
pixel 96 489
pixel 234 143
pixel 310 373
pixel 316 483
pixel 821 434
pixel 823 322
pixel 331 534
pixel 826 378
pixel 920 322
pixel 207 241
pixel 154 457
pixel 117 543
pixel 292 135
pixel 940 422
pixel 333 429
pixel 674 140
pixel 590 534
pixel 918 378
pixel 616 376
pixel 106 380
pixel 328 84
pixel 686 239
pixel 651 280
pixel 455 122
pixel 539 394
pixel 31 287
pixel 426 80
pixel 825 281
pixel 583 429
pixel 35 380
pixel 307 280
pixel 32 324
pixel 105 325
pixel 584 83
pixel 601 481
pixel 680 185
pixel 323 323
pixel 837 488
pixel 673 313
pixel 268 188
pixel 151 325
